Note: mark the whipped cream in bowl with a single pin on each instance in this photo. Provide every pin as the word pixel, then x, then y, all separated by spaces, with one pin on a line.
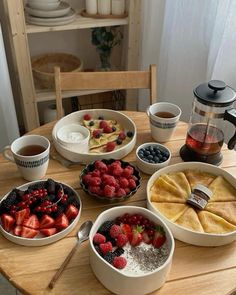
pixel 75 137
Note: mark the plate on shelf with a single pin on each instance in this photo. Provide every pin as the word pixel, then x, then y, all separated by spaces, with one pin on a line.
pixel 54 21
pixel 61 10
pixel 39 239
pixel 118 153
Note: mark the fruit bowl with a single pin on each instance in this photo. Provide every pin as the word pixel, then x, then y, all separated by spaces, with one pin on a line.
pixel 123 281
pixel 113 184
pixel 40 223
pixel 179 231
pixel 76 118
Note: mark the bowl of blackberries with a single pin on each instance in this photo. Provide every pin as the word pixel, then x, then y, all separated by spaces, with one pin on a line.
pixel 152 156
pixel 110 180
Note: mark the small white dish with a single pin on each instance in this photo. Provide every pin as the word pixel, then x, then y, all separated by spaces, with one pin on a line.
pixel 39 241
pixel 44 5
pixel 75 137
pixel 150 168
pixel 61 10
pixel 181 233
pixel 115 280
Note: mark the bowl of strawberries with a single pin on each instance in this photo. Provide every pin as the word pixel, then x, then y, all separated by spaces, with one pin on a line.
pixel 110 180
pixel 39 212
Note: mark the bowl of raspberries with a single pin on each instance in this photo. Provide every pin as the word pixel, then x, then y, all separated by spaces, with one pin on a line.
pixel 39 212
pixel 110 180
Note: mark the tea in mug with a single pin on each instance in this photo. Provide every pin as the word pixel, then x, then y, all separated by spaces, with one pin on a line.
pixel 31 150
pixel 164 115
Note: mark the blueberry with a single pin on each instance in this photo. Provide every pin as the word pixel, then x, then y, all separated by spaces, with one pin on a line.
pixel 156 159
pixel 91 123
pixel 113 128
pixel 142 150
pixel 119 141
pixel 164 159
pixel 100 118
pixel 165 154
pixel 150 157
pixel 151 161
pixel 151 149
pixel 130 134
pixel 147 153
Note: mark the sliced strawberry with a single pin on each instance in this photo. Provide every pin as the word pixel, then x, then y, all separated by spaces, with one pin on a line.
pixel 7 222
pixel 146 238
pixel 22 215
pixel 136 237
pixel 61 222
pixel 32 222
pixel 17 230
pixel 27 232
pixel 71 212
pixel 159 237
pixel 126 229
pixel 46 221
pixel 48 231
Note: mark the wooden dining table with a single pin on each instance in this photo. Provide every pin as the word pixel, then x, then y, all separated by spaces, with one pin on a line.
pixel 195 270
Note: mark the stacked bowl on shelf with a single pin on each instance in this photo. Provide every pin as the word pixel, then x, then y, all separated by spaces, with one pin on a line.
pixel 48 12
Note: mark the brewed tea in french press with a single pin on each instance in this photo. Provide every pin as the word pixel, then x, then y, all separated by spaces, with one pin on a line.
pixel 212 104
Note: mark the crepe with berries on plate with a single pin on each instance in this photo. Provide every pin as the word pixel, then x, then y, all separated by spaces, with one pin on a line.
pixel 222 190
pixel 172 187
pixel 198 177
pixel 226 210
pixel 189 219
pixel 172 211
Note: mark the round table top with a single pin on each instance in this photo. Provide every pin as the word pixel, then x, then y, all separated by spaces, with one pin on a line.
pixel 200 270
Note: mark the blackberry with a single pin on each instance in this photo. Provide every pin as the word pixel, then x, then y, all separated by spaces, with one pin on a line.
pixel 100 118
pixel 50 186
pixel 105 226
pixel 36 186
pixel 19 193
pixel 130 134
pixel 51 198
pixel 98 249
pixel 110 239
pixel 60 210
pixel 109 257
pixel 11 198
pixel 118 252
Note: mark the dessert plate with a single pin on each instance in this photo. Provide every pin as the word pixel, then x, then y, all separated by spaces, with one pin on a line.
pixel 60 11
pixel 40 240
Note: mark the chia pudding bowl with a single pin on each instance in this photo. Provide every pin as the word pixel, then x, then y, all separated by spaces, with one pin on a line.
pixel 142 266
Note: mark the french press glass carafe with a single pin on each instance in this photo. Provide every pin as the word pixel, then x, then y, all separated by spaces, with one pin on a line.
pixel 213 102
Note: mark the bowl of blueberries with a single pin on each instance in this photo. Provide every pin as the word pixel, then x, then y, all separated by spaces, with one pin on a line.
pixel 152 156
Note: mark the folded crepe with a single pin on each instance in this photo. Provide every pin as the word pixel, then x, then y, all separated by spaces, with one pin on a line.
pixel 173 188
pixel 198 177
pixel 189 219
pixel 226 210
pixel 171 211
pixel 215 224
pixel 222 190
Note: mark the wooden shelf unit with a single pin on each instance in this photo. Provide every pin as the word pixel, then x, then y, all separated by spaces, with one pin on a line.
pixel 15 33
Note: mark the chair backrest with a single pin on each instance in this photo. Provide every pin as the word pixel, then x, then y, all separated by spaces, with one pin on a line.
pixel 104 81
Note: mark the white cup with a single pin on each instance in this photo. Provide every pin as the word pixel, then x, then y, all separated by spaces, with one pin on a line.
pixel 104 7
pixel 117 7
pixel 31 167
pixel 162 128
pixel 91 6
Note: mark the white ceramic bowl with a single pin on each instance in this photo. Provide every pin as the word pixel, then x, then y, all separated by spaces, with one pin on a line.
pixel 41 241
pixel 76 117
pixel 150 168
pixel 181 233
pixel 112 278
pixel 44 5
pixel 70 137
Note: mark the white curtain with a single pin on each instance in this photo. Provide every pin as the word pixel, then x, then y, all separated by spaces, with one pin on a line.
pixel 8 121
pixel 191 41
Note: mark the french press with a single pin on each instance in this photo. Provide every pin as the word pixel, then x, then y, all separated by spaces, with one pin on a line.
pixel 213 102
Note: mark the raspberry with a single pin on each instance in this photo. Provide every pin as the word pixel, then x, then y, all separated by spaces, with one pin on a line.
pixel 117 171
pixel 105 247
pixel 96 133
pixel 95 181
pixel 107 129
pixel 122 135
pixel 120 193
pixel 95 190
pixel 110 146
pixel 119 262
pixel 134 178
pixel 115 230
pixel 86 179
pixel 123 182
pixel 87 117
pixel 109 191
pixel 132 184
pixel 102 124
pixel 96 173
pixel 116 163
pixel 121 240
pixel 99 239
pixel 102 167
pixel 127 190
pixel 110 180
pixel 127 172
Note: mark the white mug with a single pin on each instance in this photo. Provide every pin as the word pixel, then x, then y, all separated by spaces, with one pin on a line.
pixel 162 128
pixel 31 155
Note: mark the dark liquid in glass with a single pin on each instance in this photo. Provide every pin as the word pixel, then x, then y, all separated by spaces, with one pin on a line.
pixel 165 115
pixel 204 140
pixel 31 150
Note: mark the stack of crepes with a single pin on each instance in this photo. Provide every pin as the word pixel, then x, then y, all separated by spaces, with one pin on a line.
pixel 170 192
pixel 96 145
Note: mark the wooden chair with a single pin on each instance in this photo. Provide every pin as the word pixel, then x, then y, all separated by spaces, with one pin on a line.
pixel 104 80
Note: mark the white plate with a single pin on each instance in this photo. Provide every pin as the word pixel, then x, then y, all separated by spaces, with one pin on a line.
pixel 38 241
pixel 181 233
pixel 76 117
pixel 44 5
pixel 70 15
pixel 61 10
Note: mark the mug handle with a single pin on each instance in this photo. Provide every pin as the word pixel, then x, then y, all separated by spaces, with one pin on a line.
pixel 147 111
pixel 7 154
